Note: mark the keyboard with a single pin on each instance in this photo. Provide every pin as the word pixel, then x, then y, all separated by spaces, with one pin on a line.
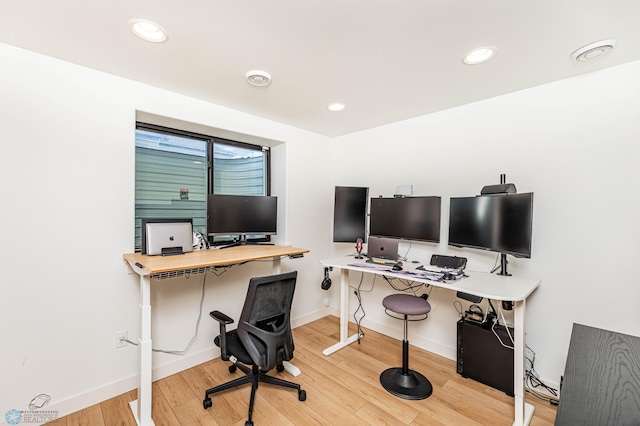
pixel 431 271
pixel 450 274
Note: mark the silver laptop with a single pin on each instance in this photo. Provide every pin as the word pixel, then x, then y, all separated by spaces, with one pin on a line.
pixel 169 238
pixel 382 249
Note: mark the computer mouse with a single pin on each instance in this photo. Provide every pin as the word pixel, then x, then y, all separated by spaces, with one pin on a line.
pixel 397 267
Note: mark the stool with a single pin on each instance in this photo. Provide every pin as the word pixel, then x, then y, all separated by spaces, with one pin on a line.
pixel 401 381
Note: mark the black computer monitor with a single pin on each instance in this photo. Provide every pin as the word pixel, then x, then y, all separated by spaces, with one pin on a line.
pixel 501 223
pixel 411 218
pixel 350 214
pixel 242 215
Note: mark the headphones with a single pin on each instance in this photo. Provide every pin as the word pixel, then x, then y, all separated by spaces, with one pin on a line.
pixel 326 282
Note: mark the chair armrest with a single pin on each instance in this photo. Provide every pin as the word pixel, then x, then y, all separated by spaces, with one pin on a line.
pixel 221 340
pixel 221 318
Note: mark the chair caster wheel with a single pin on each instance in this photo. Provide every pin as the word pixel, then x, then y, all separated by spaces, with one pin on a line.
pixel 232 368
pixel 302 395
pixel 279 368
pixel 207 403
pixel 248 423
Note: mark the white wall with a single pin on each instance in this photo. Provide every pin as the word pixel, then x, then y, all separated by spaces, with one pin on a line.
pixel 574 143
pixel 68 186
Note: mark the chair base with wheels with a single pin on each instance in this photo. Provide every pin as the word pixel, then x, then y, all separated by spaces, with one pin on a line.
pixel 253 376
pixel 402 381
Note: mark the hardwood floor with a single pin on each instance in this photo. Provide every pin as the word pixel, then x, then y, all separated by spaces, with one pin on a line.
pixel 343 388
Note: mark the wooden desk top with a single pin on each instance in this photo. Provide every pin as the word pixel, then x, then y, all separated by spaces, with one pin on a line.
pixel 152 265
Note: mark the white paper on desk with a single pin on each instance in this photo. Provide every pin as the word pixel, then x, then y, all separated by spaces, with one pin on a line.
pixel 375 266
pixel 421 275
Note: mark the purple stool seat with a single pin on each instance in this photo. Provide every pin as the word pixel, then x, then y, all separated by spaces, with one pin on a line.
pixel 402 381
pixel 406 304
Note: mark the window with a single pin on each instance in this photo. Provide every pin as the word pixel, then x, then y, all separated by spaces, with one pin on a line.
pixel 239 169
pixel 174 174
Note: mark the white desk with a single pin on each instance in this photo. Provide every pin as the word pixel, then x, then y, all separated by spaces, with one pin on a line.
pixel 148 267
pixel 484 284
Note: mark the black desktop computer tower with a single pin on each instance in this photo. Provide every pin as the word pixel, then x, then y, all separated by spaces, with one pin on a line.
pixel 483 358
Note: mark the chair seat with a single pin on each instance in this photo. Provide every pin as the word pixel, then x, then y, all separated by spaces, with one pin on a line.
pixel 235 347
pixel 406 304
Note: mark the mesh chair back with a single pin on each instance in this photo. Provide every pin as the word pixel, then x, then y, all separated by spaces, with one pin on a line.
pixel 264 326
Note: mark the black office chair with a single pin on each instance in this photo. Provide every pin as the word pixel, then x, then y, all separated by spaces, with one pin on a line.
pixel 263 338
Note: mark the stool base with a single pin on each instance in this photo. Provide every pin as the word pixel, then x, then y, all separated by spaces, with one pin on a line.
pixel 408 386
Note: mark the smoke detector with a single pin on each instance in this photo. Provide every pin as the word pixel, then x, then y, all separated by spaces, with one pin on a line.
pixel 593 50
pixel 258 78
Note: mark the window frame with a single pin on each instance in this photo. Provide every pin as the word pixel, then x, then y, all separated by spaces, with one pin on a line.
pixel 210 179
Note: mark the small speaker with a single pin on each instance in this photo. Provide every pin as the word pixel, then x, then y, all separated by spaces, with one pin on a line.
pixel 503 188
pixel 453 262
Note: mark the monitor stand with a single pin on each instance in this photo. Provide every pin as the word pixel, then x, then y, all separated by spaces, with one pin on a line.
pixel 503 265
pixel 243 242
pixel 506 304
pixel 171 251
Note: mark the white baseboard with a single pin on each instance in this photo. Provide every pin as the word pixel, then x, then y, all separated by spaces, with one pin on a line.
pixel 113 389
pixel 415 339
pixel 313 316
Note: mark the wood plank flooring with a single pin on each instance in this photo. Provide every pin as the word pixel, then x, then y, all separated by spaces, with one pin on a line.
pixel 342 389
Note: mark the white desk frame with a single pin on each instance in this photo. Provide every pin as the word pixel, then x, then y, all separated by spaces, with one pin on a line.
pixel 148 267
pixel 483 284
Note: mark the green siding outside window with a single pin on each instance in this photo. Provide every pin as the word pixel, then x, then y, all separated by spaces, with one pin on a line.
pixel 172 174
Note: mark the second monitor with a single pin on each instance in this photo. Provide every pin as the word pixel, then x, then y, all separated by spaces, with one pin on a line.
pixel 411 218
pixel 242 216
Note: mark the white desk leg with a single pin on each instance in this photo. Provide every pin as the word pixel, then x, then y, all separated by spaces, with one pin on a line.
pixel 344 316
pixel 289 368
pixel 523 410
pixel 277 266
pixel 142 406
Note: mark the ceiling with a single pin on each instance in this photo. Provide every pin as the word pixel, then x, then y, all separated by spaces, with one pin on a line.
pixel 386 60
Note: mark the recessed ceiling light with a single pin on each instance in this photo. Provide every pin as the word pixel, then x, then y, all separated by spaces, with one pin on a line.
pixel 258 78
pixel 148 30
pixel 479 55
pixel 336 107
pixel 593 50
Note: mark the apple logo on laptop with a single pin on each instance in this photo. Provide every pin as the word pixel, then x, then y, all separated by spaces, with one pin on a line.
pixel 171 238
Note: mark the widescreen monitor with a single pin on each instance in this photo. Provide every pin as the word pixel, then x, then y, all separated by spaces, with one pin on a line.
pixel 410 218
pixel 501 223
pixel 242 215
pixel 350 214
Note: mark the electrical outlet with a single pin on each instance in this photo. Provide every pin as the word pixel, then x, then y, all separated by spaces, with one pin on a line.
pixel 121 338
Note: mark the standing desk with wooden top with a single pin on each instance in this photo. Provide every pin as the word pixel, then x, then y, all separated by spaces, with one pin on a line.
pixel 148 267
